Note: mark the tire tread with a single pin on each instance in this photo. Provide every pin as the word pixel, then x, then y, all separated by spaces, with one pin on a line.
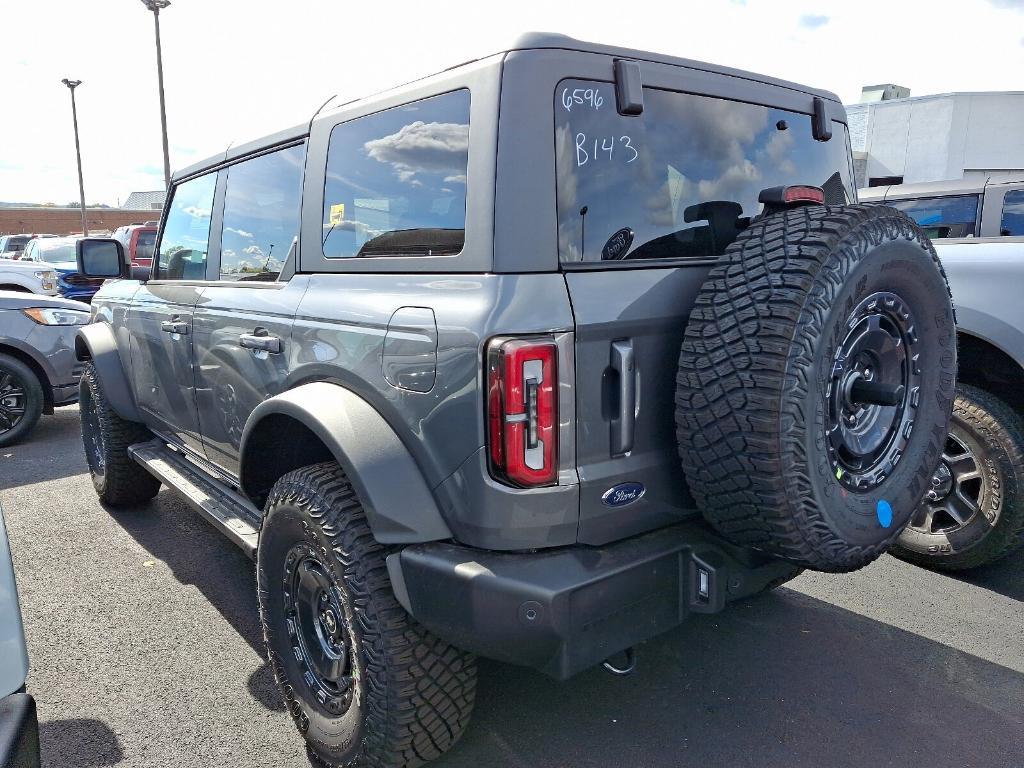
pixel 744 366
pixel 421 690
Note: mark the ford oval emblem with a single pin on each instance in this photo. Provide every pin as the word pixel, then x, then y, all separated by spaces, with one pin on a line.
pixel 617 245
pixel 622 494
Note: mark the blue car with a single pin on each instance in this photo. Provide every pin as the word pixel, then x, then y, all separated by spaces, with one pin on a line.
pixel 73 285
pixel 60 252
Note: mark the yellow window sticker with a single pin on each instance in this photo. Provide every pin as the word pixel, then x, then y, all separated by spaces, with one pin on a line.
pixel 337 213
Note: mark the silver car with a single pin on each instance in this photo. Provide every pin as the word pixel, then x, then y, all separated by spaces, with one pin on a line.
pixel 38 369
pixel 19 725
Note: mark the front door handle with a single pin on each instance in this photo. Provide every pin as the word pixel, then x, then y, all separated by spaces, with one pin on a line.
pixel 624 420
pixel 261 341
pixel 174 326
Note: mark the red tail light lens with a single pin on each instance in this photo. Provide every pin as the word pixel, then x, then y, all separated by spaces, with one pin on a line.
pixel 804 194
pixel 522 410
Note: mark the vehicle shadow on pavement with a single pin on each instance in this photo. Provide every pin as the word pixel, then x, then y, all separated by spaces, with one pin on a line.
pixel 84 743
pixel 783 680
pixel 1005 577
pixel 52 451
pixel 200 556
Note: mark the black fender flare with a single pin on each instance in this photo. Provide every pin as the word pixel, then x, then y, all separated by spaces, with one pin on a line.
pixel 96 342
pixel 399 505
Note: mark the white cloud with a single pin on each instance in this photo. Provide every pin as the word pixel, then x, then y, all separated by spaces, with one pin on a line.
pixel 239 232
pixel 423 148
pixel 197 212
pixel 254 250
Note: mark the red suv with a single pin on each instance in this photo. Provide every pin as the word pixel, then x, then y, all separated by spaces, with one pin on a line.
pixel 138 240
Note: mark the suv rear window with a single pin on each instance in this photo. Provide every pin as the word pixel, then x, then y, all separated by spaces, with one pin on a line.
pixel 144 244
pixel 682 179
pixel 396 181
pixel 941 216
pixel 16 244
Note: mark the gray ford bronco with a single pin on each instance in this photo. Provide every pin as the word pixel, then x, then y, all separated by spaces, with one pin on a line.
pixel 530 359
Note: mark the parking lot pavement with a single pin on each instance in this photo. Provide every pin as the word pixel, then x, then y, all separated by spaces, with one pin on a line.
pixel 145 651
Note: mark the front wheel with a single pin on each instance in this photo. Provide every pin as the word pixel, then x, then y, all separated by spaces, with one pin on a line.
pixel 973 512
pixel 365 684
pixel 21 400
pixel 118 479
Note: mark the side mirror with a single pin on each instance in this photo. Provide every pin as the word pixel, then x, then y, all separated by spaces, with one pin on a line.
pixel 101 257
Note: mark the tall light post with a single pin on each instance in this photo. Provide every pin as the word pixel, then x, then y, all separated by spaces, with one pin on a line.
pixel 72 84
pixel 155 6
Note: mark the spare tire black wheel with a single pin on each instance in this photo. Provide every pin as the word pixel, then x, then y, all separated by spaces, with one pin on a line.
pixel 815 383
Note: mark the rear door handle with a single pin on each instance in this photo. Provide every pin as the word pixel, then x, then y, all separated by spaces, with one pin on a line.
pixel 624 421
pixel 174 326
pixel 261 341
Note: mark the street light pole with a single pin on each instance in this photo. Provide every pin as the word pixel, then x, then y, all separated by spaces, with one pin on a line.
pixel 72 84
pixel 155 6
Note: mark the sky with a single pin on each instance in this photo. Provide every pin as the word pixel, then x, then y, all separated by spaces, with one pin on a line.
pixel 237 70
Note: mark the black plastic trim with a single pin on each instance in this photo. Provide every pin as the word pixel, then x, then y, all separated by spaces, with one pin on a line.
pixel 19 731
pixel 399 505
pixel 96 342
pixel 629 87
pixel 562 611
pixel 821 122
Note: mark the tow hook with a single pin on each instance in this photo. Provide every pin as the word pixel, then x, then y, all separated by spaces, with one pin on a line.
pixel 630 667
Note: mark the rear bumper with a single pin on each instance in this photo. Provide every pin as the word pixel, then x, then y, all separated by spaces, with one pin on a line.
pixel 19 731
pixel 562 611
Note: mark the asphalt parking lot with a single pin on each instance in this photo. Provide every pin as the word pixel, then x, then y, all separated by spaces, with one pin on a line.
pixel 145 651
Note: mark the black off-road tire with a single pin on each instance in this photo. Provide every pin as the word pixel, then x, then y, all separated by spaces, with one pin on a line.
pixel 993 435
pixel 26 406
pixel 755 393
pixel 118 479
pixel 410 694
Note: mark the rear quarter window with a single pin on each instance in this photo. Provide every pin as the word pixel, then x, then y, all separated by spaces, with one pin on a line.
pixel 940 217
pixel 396 181
pixel 682 179
pixel 1012 222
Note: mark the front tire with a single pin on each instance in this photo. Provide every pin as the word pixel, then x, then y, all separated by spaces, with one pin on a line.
pixel 118 479
pixel 973 513
pixel 365 684
pixel 21 400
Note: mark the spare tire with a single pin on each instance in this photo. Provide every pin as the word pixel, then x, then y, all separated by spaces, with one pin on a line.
pixel 815 383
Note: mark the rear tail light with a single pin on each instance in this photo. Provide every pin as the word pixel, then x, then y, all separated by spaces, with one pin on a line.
pixel 522 410
pixel 796 194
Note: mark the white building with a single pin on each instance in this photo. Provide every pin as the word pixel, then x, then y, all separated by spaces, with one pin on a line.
pixel 900 139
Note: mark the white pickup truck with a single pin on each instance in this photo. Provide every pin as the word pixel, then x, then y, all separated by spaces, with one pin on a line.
pixel 32 276
pixel 973 514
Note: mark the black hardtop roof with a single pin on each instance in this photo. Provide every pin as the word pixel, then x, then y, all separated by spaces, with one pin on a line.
pixel 525 42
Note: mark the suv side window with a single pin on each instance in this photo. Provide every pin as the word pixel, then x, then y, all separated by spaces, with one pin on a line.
pixel 939 217
pixel 186 236
pixel 1012 224
pixel 261 214
pixel 396 181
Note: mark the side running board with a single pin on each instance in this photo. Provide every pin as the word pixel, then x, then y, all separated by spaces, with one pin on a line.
pixel 233 514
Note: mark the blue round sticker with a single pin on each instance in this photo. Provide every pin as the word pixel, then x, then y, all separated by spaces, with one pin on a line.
pixel 884 512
